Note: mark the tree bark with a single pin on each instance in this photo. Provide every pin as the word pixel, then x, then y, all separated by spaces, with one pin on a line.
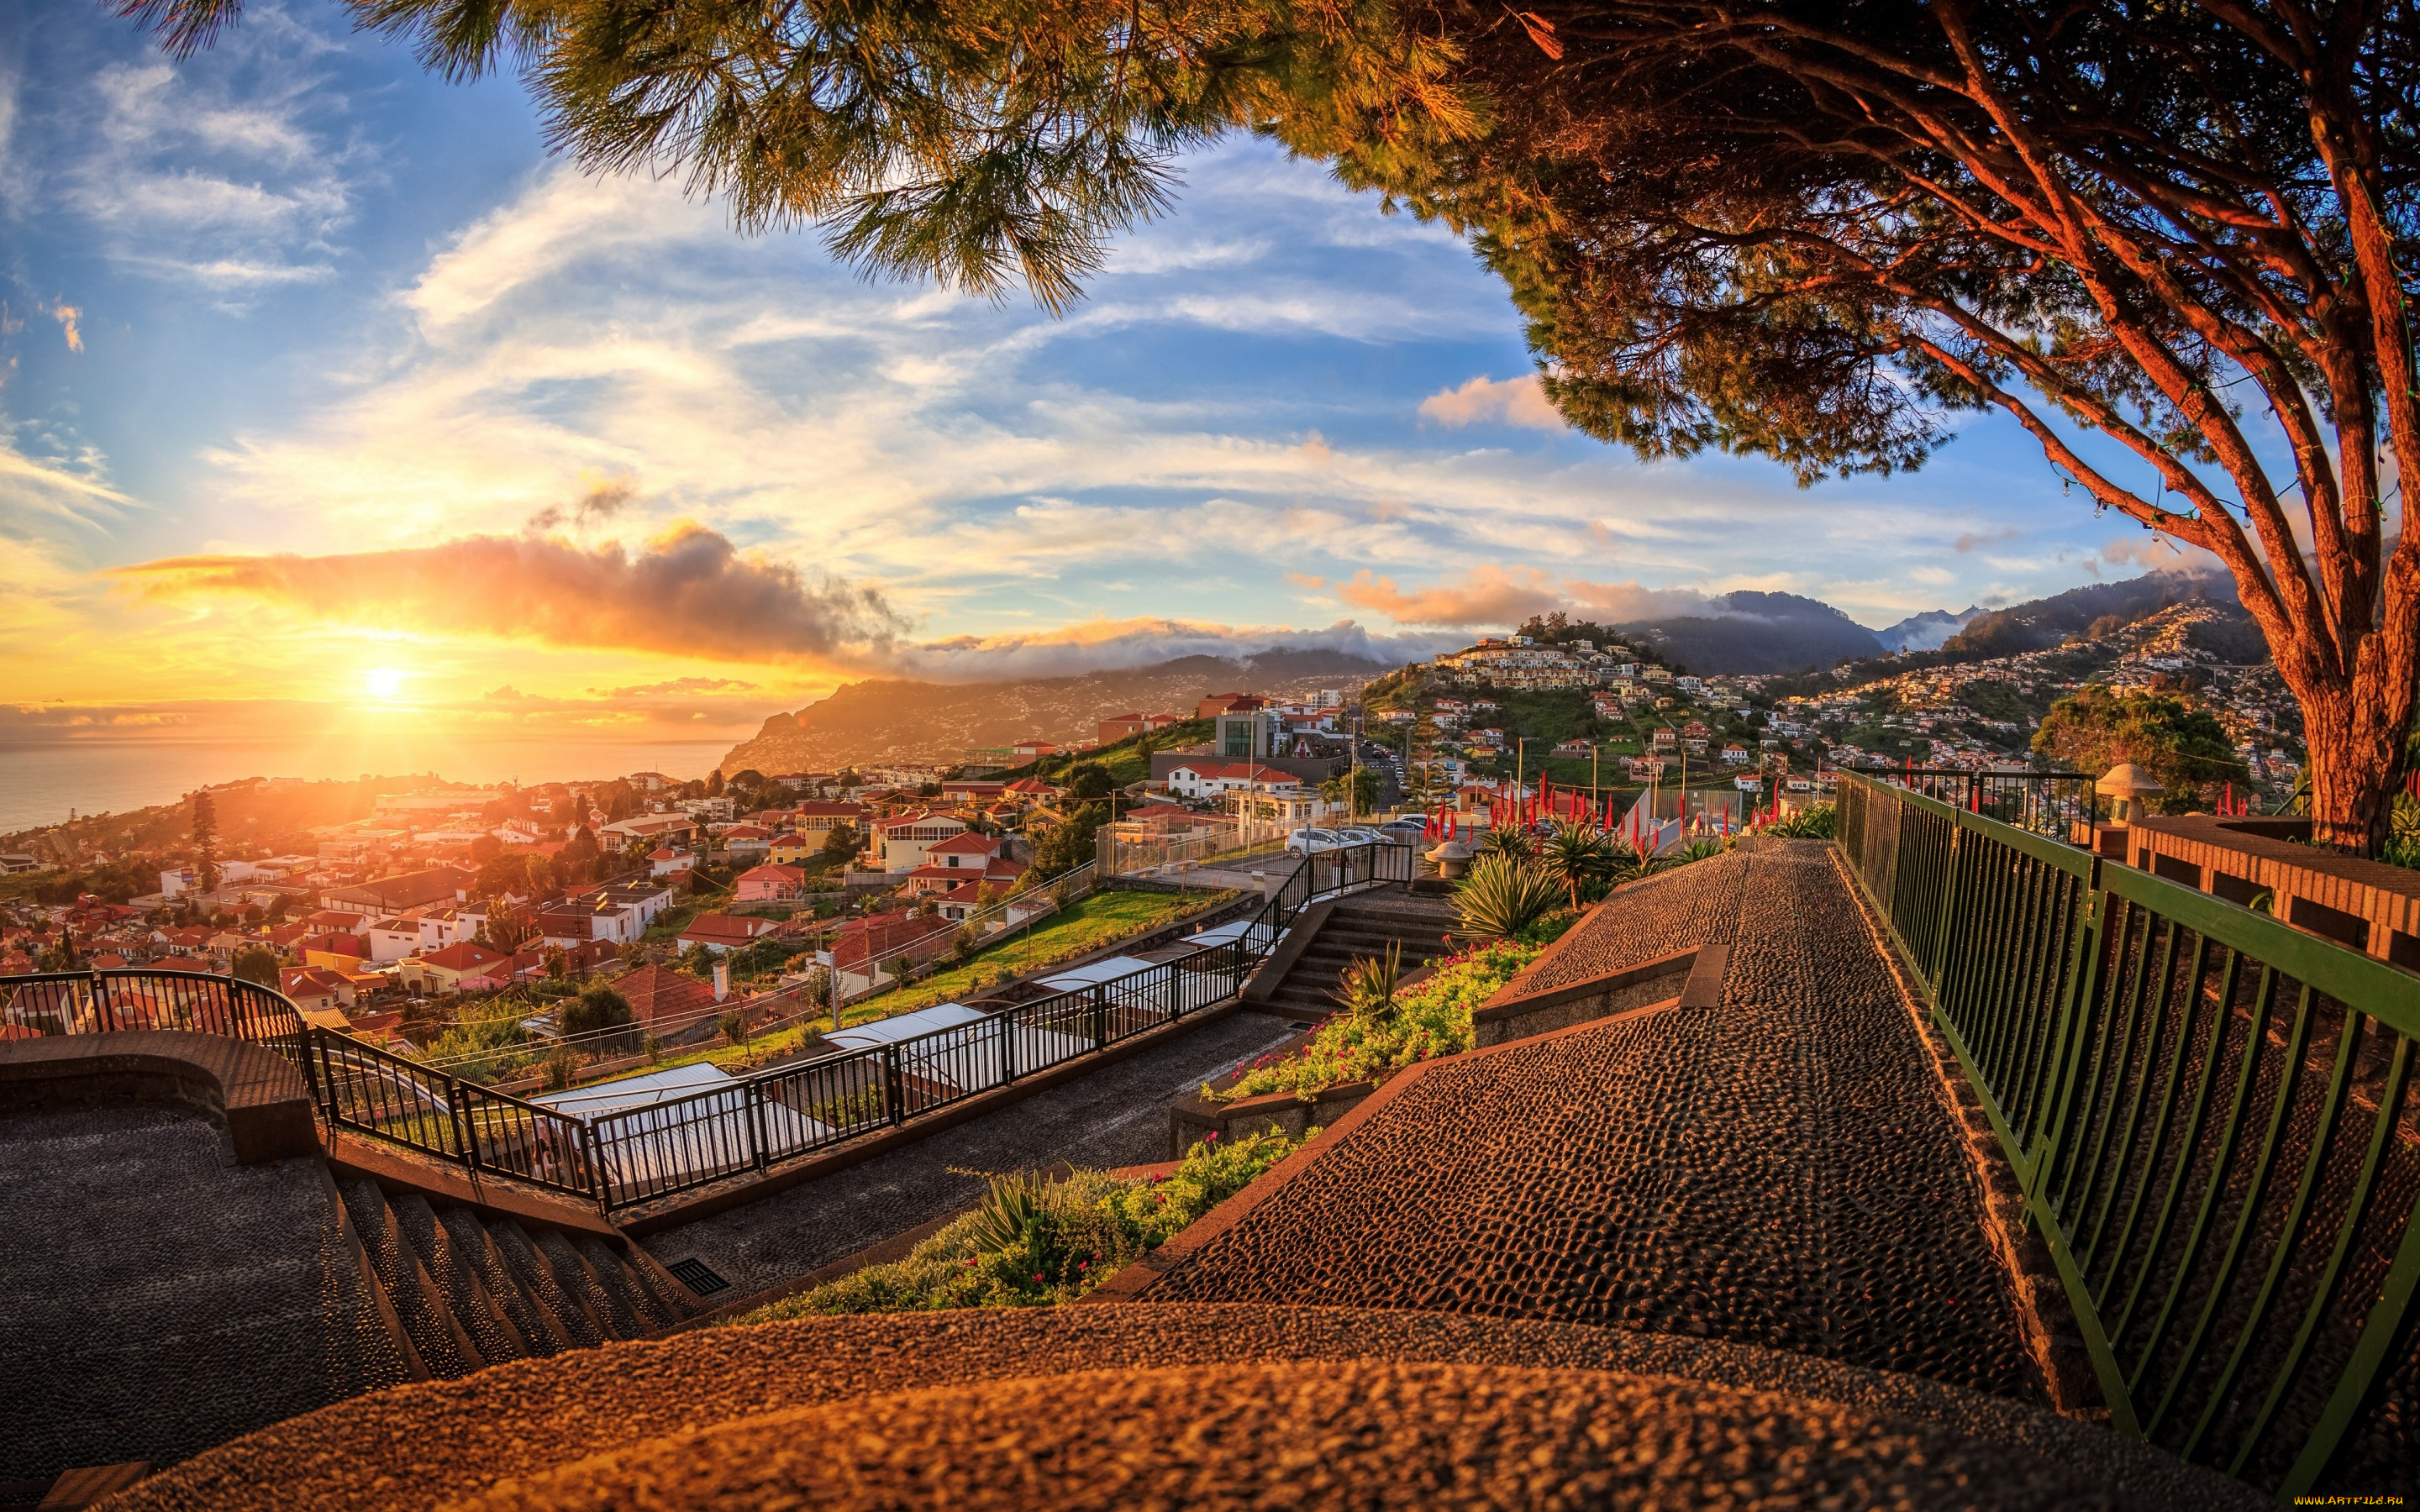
pixel 2353 731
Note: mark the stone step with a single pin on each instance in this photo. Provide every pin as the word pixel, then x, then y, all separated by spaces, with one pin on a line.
pixel 533 1269
pixel 419 1306
pixel 615 1319
pixel 533 1328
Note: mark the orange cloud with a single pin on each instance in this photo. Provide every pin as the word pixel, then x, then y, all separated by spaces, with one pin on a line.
pixel 1520 401
pixel 1492 596
pixel 689 592
pixel 1489 595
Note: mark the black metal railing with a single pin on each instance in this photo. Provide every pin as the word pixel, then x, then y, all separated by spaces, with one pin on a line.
pixel 2211 1117
pixel 640 1154
pixel 122 999
pixel 2039 803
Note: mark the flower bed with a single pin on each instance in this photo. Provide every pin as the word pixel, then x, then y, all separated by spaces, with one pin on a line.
pixel 1033 1244
pixel 1429 1020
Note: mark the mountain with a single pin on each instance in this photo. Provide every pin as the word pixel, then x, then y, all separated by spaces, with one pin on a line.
pixel 1928 630
pixel 891 719
pixel 2043 622
pixel 1760 633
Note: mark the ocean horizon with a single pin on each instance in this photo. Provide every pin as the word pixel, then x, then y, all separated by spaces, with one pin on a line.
pixel 43 783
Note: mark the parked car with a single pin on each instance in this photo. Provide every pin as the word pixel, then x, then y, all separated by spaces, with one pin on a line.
pixel 1309 840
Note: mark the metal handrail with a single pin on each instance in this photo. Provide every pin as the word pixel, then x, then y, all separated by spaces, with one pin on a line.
pixel 124 998
pixel 621 1159
pixel 2211 1117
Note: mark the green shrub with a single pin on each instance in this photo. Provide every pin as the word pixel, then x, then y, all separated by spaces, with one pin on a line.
pixel 1502 896
pixel 1032 1244
pixel 1814 823
pixel 1429 1020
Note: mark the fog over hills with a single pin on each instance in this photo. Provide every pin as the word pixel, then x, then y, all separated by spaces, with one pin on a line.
pixel 1745 632
pixel 895 719
pixel 1928 630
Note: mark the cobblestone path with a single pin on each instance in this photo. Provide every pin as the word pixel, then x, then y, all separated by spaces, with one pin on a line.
pixel 1779 1171
pixel 1113 1116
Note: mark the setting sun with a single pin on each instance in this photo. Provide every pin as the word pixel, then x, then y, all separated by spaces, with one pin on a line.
pixel 382 682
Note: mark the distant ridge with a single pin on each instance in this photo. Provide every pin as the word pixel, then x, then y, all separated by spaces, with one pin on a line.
pixel 898 719
pixel 1760 633
pixel 1928 630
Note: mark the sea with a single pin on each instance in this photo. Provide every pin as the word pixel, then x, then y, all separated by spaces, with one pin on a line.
pixel 42 784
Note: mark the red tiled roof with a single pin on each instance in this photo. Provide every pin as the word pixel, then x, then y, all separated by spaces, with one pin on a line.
pixel 969 843
pixel 655 994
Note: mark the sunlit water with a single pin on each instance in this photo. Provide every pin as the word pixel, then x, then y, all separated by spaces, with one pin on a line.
pixel 41 783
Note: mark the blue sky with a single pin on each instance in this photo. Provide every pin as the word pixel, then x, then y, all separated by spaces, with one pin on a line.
pixel 296 297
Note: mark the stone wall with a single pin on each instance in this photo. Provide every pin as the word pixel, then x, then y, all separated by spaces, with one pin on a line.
pixel 2363 906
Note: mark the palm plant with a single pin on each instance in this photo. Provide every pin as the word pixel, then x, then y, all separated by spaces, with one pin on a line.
pixel 1502 896
pixel 1580 855
pixel 1367 985
pixel 1507 840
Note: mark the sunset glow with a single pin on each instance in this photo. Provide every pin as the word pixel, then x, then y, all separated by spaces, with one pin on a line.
pixel 614 471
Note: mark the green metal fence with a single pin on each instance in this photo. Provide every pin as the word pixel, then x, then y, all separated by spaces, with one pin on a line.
pixel 2212 1120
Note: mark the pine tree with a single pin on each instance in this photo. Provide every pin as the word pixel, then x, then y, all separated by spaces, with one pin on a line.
pixel 205 841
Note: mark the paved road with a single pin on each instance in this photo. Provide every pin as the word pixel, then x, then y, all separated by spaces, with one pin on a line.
pixel 1115 1116
pixel 1779 1171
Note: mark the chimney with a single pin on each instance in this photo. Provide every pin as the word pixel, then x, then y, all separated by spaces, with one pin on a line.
pixel 722 981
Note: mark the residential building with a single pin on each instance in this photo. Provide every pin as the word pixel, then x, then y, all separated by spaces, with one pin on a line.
pixel 771 882
pixel 747 843
pixel 663 1001
pixel 1219 703
pixel 903 841
pixel 720 932
pixel 1211 780
pixel 664 861
pixel 457 969
pixel 812 821
pixel 315 987
pixel 389 896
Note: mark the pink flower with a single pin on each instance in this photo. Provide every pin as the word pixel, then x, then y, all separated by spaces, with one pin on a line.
pixel 1037 1276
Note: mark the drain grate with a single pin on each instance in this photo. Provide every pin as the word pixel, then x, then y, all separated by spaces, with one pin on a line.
pixel 696 1275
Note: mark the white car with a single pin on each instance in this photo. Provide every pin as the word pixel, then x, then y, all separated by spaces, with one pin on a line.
pixel 1306 842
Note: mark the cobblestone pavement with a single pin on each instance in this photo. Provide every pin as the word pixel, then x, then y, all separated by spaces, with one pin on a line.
pixel 1175 1386
pixel 1114 1116
pixel 1779 1172
pixel 159 1297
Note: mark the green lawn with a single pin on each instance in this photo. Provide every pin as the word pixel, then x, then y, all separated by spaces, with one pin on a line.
pixel 1085 926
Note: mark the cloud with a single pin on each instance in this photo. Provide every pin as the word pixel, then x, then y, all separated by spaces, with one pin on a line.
pixel 66 316
pixel 1973 539
pixel 689 592
pixel 601 504
pixel 678 685
pixel 1520 401
pixel 1096 645
pixel 216 173
pixel 1486 595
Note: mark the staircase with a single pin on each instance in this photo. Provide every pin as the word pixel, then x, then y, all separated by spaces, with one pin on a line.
pixel 474 1289
pixel 1299 981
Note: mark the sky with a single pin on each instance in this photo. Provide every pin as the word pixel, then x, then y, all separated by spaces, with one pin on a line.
pixel 327 395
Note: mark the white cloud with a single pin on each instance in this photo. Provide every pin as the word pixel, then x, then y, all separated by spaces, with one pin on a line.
pixel 225 176
pixel 1520 401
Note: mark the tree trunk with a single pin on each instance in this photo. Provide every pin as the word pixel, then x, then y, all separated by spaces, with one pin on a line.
pixel 2355 737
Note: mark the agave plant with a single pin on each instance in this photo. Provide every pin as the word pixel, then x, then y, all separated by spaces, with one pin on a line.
pixel 1011 1211
pixel 1814 823
pixel 1366 987
pixel 1502 896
